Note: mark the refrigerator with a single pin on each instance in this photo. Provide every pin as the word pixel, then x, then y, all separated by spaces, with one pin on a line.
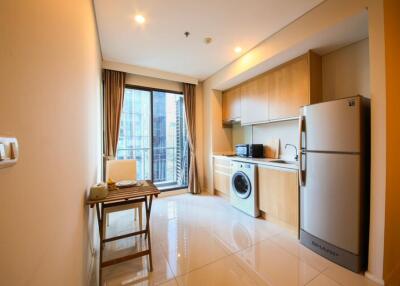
pixel 334 180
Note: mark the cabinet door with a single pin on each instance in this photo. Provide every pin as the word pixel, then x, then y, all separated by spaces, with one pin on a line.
pixel 222 176
pixel 222 183
pixel 231 109
pixel 254 96
pixel 279 195
pixel 289 89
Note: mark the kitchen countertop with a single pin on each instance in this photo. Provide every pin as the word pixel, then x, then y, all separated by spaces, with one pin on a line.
pixel 261 161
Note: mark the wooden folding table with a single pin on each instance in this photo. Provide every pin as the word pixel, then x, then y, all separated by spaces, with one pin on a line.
pixel 143 193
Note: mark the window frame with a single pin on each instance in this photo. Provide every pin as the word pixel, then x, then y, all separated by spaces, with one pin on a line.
pixel 152 90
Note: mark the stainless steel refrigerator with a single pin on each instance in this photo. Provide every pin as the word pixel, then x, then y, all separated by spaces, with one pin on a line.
pixel 334 180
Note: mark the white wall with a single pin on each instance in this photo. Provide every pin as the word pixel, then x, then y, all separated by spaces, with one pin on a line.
pixel 286 131
pixel 345 72
pixel 50 80
pixel 378 139
pixel 148 72
pixel 216 139
pixel 391 270
pixel 241 134
pixel 151 82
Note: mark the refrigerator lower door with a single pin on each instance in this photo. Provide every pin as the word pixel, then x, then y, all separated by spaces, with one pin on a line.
pixel 330 207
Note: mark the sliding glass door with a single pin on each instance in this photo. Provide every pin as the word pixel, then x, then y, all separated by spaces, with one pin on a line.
pixel 135 131
pixel 170 146
pixel 153 132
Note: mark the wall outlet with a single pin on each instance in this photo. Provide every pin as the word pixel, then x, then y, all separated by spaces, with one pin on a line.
pixel 8 151
pixel 2 152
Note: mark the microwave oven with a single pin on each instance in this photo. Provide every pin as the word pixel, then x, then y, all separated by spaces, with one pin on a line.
pixel 250 150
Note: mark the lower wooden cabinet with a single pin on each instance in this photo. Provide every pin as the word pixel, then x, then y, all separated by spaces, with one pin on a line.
pixel 222 176
pixel 279 196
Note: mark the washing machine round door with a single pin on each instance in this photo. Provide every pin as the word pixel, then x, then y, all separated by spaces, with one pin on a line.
pixel 241 185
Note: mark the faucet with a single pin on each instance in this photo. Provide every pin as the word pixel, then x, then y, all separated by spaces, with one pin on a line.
pixel 297 156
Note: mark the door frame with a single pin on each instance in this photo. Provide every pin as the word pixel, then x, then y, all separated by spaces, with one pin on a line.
pixel 151 90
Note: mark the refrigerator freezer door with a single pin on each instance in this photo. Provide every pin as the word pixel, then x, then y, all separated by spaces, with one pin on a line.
pixel 330 199
pixel 333 126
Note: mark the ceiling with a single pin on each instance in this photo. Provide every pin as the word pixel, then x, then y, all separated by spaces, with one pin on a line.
pixel 160 42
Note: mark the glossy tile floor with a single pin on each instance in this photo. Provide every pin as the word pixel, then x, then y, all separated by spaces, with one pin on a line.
pixel 202 240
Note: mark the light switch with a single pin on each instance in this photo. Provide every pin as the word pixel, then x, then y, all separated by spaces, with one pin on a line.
pixel 8 151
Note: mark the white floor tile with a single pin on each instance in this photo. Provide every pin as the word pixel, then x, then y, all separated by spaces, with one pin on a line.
pixel 191 248
pixel 171 282
pixel 322 280
pixel 203 240
pixel 276 266
pixel 346 277
pixel 290 243
pixel 225 271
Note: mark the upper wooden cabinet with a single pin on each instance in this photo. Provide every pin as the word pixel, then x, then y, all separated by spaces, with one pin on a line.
pixel 293 85
pixel 254 100
pixel 231 106
pixel 277 94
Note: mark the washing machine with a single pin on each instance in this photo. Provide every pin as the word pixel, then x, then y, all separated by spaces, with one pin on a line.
pixel 243 190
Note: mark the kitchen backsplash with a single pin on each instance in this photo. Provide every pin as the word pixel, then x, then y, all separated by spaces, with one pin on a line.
pixel 286 131
pixel 241 134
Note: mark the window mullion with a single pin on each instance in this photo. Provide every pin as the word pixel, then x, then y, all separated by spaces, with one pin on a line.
pixel 151 137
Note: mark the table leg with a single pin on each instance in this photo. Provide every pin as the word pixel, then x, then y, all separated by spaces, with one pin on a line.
pixel 100 211
pixel 146 207
pixel 98 217
pixel 148 212
pixel 101 246
pixel 140 210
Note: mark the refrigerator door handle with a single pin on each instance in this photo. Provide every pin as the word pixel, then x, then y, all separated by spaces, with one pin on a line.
pixel 302 169
pixel 301 153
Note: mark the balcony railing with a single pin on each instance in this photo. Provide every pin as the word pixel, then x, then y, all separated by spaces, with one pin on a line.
pixel 166 168
pixel 142 156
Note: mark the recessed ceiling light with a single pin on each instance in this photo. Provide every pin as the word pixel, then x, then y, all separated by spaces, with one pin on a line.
pixel 238 50
pixel 208 40
pixel 140 19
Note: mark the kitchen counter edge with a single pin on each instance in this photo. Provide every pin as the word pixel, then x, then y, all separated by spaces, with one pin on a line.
pixel 259 161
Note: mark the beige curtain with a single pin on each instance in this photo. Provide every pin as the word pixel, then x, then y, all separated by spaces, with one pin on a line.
pixel 114 85
pixel 189 97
